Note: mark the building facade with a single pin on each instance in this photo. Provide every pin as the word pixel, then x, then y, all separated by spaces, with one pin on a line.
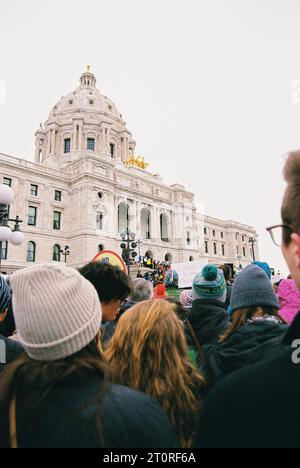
pixel 86 187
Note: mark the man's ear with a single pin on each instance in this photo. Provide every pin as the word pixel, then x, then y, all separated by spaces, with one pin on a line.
pixel 296 248
pixel 3 315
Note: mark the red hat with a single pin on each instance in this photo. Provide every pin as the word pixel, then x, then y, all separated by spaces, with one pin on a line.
pixel 160 292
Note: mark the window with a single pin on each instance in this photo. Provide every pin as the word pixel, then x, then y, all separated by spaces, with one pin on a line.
pixel 100 248
pixel 237 249
pixel 188 238
pixel 112 150
pixel 191 259
pixel 223 250
pixel 32 216
pixel 244 251
pixel 91 144
pixel 31 251
pixel 56 253
pixel 4 250
pixel 67 146
pixel 33 190
pixel 57 195
pixel 215 248
pixel 222 235
pixel 214 233
pixel 56 220
pixel 237 236
pixel 99 221
pixel 205 231
pixel 7 181
pixel 243 238
pixel 206 247
pixel 70 102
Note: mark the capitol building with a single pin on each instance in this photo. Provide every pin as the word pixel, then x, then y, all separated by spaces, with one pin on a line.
pixel 87 185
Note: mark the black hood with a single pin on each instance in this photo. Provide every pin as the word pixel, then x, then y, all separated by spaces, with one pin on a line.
pixel 249 344
pixel 209 319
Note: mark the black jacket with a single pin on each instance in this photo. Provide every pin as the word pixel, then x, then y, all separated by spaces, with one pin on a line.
pixel 257 407
pixel 9 351
pixel 209 320
pixel 249 344
pixel 67 417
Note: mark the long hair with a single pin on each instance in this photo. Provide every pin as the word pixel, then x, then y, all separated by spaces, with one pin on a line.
pixel 150 354
pixel 25 372
pixel 241 316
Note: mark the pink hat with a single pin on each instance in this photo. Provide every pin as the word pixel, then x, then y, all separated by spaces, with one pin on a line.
pixel 289 298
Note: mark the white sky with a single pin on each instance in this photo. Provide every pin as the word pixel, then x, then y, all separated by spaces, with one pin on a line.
pixel 208 88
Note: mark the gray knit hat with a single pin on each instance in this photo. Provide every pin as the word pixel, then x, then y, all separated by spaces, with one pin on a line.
pixel 5 294
pixel 57 311
pixel 252 288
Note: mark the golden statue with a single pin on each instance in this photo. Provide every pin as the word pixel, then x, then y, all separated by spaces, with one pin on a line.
pixel 135 161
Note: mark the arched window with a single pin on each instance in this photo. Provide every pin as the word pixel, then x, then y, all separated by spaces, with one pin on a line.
pixel 146 223
pixel 164 234
pixel 191 259
pixel 123 217
pixel 56 253
pixel 169 257
pixel 100 248
pixel 31 252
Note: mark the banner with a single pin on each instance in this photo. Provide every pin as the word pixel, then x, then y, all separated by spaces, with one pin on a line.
pixel 187 272
pixel 107 256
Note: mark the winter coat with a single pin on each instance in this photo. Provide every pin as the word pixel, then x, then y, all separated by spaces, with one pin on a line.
pixel 67 417
pixel 289 298
pixel 9 351
pixel 209 320
pixel 258 406
pixel 173 294
pixel 253 342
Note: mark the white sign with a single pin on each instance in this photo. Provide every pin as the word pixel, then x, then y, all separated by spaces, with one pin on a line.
pixel 187 272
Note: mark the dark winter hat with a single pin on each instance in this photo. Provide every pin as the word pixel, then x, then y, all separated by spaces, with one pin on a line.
pixel 5 294
pixel 252 288
pixel 210 284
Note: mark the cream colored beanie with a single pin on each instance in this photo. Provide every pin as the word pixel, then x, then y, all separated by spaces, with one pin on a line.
pixel 57 311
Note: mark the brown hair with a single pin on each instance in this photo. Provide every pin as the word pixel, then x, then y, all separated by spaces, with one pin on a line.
pixel 290 210
pixel 240 317
pixel 24 372
pixel 150 354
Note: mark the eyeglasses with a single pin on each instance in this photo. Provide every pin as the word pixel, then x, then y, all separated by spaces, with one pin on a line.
pixel 281 234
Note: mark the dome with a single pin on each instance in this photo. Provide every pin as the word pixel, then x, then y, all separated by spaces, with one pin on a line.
pixel 87 98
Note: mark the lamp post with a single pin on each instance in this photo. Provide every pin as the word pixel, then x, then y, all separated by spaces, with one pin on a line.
pixel 252 242
pixel 15 236
pixel 139 243
pixel 128 247
pixel 65 252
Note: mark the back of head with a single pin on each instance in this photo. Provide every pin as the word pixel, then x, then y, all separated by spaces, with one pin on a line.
pixel 57 311
pixel 142 290
pixel 171 279
pixel 265 267
pixel 110 282
pixel 252 288
pixel 227 272
pixel 5 294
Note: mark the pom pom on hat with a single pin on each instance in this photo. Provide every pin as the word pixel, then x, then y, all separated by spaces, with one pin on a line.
pixel 210 284
pixel 210 273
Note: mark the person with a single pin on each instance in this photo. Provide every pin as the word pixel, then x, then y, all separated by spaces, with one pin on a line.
pixel 256 330
pixel 276 280
pixel 186 299
pixel 289 299
pixel 259 406
pixel 141 290
pixel 9 349
pixel 171 284
pixel 57 395
pixel 265 267
pixel 227 272
pixel 149 353
pixel 208 315
pixel 112 285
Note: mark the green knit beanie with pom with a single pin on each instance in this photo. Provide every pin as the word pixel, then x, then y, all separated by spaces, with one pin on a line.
pixel 210 284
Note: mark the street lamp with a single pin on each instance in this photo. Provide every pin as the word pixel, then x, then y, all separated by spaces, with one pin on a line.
pixel 15 236
pixel 128 247
pixel 139 243
pixel 252 242
pixel 65 252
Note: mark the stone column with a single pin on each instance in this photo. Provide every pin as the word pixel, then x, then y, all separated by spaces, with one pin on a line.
pixel 37 150
pixel 53 141
pixel 80 136
pixel 48 142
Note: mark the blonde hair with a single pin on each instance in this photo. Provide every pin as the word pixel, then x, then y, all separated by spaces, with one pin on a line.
pixel 150 354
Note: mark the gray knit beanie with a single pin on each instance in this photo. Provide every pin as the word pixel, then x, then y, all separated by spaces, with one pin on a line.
pixel 57 311
pixel 252 288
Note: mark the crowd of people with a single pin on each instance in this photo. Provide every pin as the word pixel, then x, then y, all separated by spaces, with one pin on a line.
pixel 91 358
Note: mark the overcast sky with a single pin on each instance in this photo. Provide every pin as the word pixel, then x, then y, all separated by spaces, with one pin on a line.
pixel 208 88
